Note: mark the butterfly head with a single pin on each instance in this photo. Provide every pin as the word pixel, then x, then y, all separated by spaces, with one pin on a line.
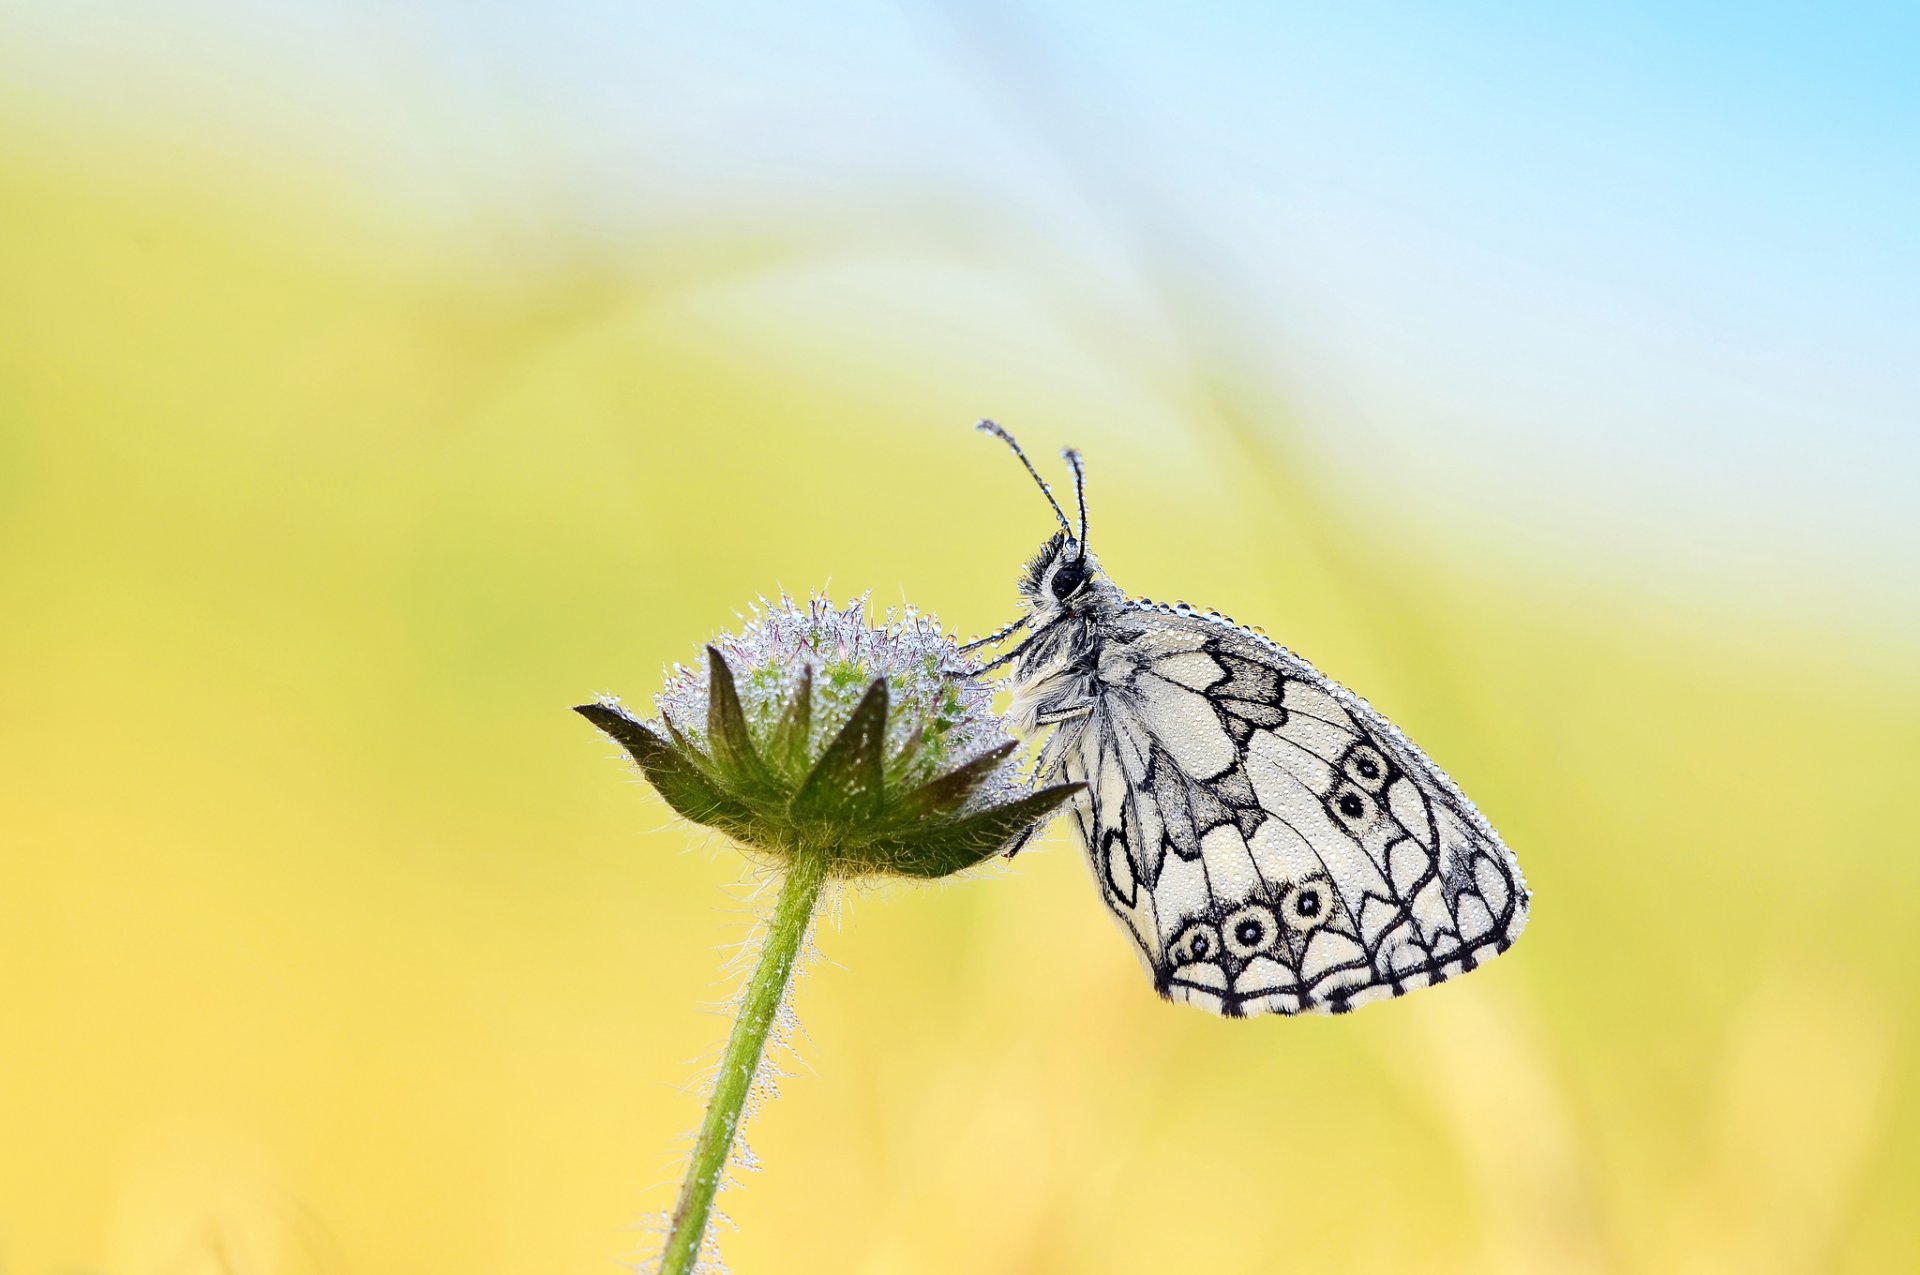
pixel 1063 579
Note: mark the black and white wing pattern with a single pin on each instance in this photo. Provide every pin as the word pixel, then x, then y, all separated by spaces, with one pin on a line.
pixel 1272 844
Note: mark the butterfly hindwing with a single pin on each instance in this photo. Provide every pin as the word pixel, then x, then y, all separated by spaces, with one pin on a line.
pixel 1272 844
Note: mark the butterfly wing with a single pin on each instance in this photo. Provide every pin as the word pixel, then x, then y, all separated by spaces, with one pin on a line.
pixel 1271 842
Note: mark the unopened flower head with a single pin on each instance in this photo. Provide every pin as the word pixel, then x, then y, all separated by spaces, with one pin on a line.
pixel 815 730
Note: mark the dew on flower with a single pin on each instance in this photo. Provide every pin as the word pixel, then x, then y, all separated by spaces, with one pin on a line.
pixel 833 747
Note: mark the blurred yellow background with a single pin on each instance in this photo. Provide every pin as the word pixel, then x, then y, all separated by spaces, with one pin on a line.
pixel 330 940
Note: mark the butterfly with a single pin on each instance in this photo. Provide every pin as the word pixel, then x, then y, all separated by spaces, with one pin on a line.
pixel 1269 841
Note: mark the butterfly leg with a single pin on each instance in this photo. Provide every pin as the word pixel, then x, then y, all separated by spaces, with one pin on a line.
pixel 999 635
pixel 1021 838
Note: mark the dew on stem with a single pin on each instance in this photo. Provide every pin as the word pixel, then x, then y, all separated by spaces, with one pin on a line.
pixel 830 748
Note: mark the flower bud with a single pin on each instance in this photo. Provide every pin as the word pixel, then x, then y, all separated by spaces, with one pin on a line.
pixel 813 732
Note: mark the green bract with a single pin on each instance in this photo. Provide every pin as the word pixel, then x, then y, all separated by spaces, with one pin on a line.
pixel 812 732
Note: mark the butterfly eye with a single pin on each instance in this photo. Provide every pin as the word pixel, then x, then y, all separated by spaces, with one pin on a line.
pixel 1307 905
pixel 1070 575
pixel 1249 931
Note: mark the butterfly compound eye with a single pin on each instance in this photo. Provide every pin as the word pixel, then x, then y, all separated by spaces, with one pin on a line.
pixel 1069 576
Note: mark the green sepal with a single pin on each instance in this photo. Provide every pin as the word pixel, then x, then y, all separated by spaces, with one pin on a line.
pixel 937 848
pixel 897 765
pixel 787 746
pixel 728 738
pixel 680 740
pixel 948 791
pixel 674 774
pixel 849 781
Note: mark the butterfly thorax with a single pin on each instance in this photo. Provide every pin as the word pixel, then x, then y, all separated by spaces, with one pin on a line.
pixel 1071 601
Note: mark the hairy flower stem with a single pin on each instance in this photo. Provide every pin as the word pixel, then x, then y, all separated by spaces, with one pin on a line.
pixel 786 930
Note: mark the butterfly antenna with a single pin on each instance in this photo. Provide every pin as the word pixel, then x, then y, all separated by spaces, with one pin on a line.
pixel 1079 493
pixel 1001 434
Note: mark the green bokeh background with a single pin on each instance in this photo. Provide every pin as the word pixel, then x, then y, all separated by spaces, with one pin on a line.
pixel 331 941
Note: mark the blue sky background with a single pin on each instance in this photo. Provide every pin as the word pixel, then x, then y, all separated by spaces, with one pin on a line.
pixel 1634 283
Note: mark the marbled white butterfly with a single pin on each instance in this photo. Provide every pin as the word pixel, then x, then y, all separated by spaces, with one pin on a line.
pixel 1270 842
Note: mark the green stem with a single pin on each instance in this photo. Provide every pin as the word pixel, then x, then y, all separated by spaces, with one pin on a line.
pixel 748 1042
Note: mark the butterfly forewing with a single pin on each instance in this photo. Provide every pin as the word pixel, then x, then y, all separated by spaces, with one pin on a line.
pixel 1272 844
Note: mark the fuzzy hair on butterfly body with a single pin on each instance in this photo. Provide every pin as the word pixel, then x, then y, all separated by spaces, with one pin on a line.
pixel 1269 841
